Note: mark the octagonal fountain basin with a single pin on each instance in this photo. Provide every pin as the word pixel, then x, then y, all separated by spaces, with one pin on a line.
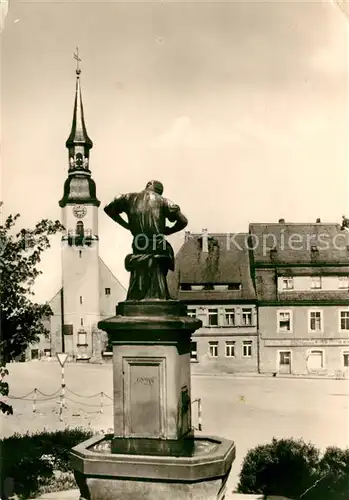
pixel 190 459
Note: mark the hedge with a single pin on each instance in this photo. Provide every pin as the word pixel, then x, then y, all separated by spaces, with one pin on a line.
pixel 30 461
pixel 295 469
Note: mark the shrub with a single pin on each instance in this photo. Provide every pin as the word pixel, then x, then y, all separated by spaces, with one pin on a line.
pixel 31 460
pixel 295 469
pixel 333 482
pixel 284 467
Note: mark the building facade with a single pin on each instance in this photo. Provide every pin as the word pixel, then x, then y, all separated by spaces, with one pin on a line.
pixel 301 275
pixel 89 291
pixel 212 277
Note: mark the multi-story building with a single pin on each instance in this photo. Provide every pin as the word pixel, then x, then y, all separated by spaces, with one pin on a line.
pixel 89 290
pixel 212 276
pixel 301 275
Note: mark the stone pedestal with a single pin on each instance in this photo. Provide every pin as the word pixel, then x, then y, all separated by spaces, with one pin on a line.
pixel 151 369
pixel 153 453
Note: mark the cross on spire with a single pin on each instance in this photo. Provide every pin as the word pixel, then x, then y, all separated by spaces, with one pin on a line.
pixel 78 59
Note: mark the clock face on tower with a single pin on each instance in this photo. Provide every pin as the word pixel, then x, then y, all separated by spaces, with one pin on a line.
pixel 79 211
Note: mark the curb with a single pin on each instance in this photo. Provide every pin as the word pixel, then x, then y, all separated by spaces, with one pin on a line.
pixel 265 375
pixel 74 495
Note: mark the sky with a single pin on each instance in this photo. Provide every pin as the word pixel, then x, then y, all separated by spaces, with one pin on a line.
pixel 239 108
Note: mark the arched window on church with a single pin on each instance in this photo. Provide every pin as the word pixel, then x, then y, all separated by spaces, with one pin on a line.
pixel 79 228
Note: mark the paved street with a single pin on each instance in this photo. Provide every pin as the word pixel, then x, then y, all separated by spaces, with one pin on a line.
pixel 249 410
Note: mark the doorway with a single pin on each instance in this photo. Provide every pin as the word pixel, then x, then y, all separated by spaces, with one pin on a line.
pixel 315 360
pixel 285 362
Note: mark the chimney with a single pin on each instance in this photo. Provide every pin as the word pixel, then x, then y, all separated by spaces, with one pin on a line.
pixel 281 221
pixel 204 241
pixel 187 236
pixel 318 221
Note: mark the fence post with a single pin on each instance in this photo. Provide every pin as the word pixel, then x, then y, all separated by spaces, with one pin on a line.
pixel 62 358
pixel 102 394
pixel 61 407
pixel 34 400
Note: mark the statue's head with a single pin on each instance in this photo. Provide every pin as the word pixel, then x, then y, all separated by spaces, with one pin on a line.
pixel 156 186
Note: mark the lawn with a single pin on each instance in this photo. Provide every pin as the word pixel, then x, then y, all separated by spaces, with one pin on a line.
pixel 248 410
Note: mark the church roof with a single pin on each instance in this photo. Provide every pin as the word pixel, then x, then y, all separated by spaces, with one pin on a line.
pixel 78 134
pixel 102 263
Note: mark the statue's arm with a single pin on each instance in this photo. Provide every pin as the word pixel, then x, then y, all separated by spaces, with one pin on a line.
pixel 180 221
pixel 114 209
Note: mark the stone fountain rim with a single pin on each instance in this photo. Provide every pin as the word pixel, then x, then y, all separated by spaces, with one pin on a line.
pixel 183 469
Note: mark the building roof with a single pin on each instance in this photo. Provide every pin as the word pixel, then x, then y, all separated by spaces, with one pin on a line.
pixel 108 270
pixel 297 243
pixel 225 262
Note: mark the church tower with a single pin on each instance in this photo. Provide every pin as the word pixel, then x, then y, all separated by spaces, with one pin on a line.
pixel 80 253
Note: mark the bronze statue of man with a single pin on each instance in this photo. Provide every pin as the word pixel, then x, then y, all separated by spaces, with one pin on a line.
pixel 152 257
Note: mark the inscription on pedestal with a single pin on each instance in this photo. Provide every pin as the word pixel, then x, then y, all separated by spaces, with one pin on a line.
pixel 144 386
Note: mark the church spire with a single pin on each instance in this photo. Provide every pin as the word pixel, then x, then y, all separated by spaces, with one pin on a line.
pixel 79 187
pixel 78 142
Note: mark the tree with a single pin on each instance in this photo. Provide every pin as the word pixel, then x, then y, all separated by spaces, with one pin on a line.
pixel 345 222
pixel 21 318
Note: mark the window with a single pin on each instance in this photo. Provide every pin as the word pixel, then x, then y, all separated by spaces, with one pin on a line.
pixel 82 321
pixel 82 337
pixel 285 358
pixel 185 287
pixel 193 351
pixel 344 320
pixel 247 317
pixel 47 352
pixel 213 317
pixel 230 348
pixel 192 312
pixel 316 282
pixel 343 282
pixel 346 359
pixel 247 348
pixel 224 286
pixel 219 287
pixel 107 291
pixel 80 228
pixel 35 353
pixel 284 321
pixel 287 284
pixel 234 286
pixel 68 329
pixel 213 349
pixel 80 299
pixel 230 317
pixel 315 321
